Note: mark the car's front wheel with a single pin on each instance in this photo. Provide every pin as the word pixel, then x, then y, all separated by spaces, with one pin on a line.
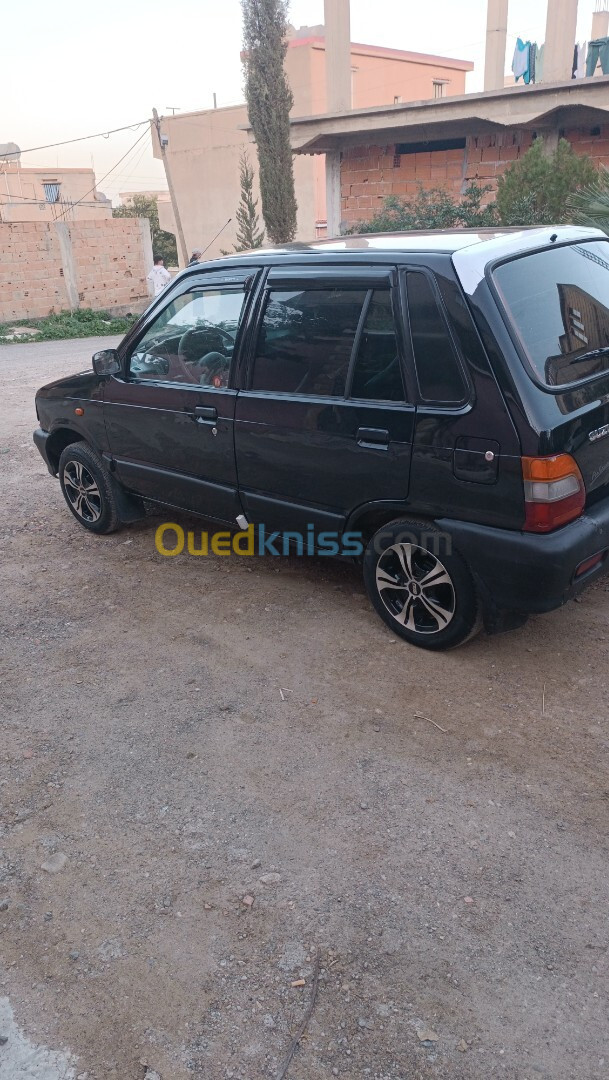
pixel 87 488
pixel 420 587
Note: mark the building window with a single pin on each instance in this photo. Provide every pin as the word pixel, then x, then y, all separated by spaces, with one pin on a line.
pixel 577 327
pixel 51 190
pixel 397 99
pixel 429 145
pixel 439 88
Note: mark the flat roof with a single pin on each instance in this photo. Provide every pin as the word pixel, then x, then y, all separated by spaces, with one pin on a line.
pixel 460 114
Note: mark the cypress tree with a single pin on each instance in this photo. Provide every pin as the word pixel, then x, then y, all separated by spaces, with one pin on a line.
pixel 269 100
pixel 249 234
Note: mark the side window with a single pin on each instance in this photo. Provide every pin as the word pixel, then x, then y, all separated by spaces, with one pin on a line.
pixel 438 372
pixel 192 340
pixel 377 374
pixel 306 339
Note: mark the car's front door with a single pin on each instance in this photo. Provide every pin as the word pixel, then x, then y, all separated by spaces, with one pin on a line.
pixel 170 419
pixel 324 425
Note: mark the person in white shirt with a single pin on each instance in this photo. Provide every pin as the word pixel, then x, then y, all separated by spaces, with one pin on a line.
pixel 159 276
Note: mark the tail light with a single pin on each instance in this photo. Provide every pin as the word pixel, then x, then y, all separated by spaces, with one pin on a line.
pixel 554 491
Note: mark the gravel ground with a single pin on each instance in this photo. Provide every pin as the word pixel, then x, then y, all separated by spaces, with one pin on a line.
pixel 449 877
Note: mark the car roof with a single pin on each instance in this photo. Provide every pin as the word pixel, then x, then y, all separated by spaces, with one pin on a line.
pixel 483 245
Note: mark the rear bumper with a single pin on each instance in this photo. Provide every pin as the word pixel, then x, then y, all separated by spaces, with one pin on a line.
pixel 529 573
pixel 41 438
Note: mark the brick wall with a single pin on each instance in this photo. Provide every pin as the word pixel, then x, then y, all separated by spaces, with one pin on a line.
pixel 370 173
pixel 46 266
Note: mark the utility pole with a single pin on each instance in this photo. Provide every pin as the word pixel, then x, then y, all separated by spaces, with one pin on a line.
pixel 176 213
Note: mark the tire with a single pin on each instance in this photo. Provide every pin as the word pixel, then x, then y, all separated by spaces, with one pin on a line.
pixel 441 614
pixel 87 488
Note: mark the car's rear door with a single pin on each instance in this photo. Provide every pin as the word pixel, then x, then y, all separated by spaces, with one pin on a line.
pixel 169 421
pixel 324 424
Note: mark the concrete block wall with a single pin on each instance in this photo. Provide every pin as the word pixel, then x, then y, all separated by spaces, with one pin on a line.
pixel 370 173
pixel 111 264
pixel 55 266
pixel 31 271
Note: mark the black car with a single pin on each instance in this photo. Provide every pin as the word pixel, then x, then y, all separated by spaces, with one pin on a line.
pixel 442 396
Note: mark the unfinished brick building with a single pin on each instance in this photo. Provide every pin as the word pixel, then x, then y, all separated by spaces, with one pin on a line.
pixel 449 143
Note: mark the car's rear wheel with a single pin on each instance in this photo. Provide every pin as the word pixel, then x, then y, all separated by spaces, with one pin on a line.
pixel 87 488
pixel 420 587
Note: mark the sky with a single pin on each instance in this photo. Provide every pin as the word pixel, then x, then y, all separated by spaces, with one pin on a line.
pixel 76 69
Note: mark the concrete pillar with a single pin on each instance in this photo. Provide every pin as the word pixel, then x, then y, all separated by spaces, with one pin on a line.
pixel 561 27
pixel 147 253
pixel 338 95
pixel 338 55
pixel 600 20
pixel 333 202
pixel 496 34
pixel 67 261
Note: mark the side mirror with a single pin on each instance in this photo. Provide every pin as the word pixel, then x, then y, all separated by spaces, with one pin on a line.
pixel 106 362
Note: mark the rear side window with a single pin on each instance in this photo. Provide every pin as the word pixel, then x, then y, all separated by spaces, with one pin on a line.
pixel 558 302
pixel 306 340
pixel 377 374
pixel 438 371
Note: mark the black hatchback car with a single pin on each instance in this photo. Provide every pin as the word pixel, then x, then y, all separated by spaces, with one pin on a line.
pixel 443 396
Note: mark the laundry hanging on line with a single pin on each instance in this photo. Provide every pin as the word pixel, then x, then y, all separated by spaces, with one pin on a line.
pixel 598 50
pixel 521 60
pixel 524 61
pixel 527 62
pixel 579 61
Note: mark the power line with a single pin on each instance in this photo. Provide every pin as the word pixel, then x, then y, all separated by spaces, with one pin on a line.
pixel 91 190
pixel 25 198
pixel 129 168
pixel 82 138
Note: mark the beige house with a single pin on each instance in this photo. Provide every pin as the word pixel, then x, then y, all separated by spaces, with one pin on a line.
pixel 203 148
pixel 41 194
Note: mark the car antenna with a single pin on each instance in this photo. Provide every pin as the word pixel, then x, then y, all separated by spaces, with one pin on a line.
pixel 217 235
pixel 553 237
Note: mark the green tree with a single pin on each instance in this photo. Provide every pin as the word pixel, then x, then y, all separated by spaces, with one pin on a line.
pixel 536 190
pixel 269 100
pixel 432 208
pixel 163 243
pixel 249 234
pixel 591 205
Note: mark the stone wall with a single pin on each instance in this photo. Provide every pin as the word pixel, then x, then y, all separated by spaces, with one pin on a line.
pixel 370 173
pixel 57 266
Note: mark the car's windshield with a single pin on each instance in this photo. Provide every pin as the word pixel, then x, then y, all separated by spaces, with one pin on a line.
pixel 558 301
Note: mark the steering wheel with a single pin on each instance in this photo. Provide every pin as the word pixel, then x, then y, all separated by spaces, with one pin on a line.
pixel 212 338
pixel 214 368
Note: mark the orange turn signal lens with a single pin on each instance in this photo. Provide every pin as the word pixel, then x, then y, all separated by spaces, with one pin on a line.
pixel 549 468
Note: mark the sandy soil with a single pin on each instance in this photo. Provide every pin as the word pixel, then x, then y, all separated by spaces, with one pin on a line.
pixel 452 883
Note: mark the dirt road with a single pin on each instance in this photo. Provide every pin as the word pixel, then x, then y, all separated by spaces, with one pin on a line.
pixel 453 883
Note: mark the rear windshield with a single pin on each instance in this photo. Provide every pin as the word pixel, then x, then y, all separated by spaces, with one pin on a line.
pixel 558 301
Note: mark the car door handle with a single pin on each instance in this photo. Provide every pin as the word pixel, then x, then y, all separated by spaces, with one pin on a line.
pixel 378 438
pixel 205 415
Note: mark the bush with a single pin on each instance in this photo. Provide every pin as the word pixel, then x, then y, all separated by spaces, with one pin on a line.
pixel 591 206
pixel 432 208
pixel 537 189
